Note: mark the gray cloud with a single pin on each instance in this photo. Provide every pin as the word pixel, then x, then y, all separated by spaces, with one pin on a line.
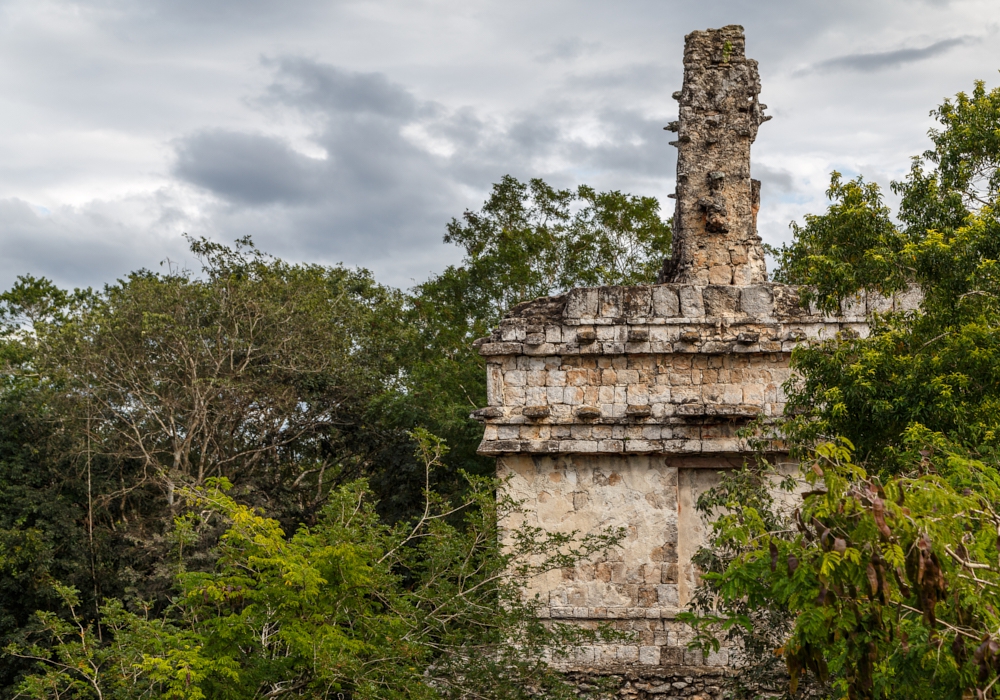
pixel 362 118
pixel 635 145
pixel 247 168
pixel 651 77
pixel 378 191
pixel 568 50
pixel 94 237
pixel 396 165
pixel 774 179
pixel 878 60
pixel 371 124
pixel 311 85
pixel 162 19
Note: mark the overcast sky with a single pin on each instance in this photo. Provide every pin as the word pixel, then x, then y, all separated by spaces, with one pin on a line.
pixel 353 131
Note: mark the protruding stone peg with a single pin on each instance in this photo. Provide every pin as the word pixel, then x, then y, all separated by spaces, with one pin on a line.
pixel 718 117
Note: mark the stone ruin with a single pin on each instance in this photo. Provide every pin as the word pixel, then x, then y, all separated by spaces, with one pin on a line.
pixel 715 223
pixel 618 406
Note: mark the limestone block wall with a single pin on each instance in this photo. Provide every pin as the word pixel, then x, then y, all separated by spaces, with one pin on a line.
pixel 666 368
pixel 618 406
pixel 639 587
pixel 681 403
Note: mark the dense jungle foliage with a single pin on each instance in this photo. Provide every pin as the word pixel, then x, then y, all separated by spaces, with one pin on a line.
pixel 879 576
pixel 258 479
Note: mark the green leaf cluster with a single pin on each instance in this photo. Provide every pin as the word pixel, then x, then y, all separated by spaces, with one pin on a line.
pixel 854 245
pixel 882 582
pixel 528 240
pixel 289 383
pixel 349 606
pixel 890 585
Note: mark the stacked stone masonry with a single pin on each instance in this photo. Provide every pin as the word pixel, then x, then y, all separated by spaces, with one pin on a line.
pixel 715 222
pixel 618 406
pixel 664 368
pixel 690 683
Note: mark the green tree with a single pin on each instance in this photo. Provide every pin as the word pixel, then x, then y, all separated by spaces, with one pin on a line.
pixel 253 369
pixel 881 586
pixel 348 607
pixel 528 240
pixel 256 370
pixel 939 368
pixel 531 240
pixel 887 574
pixel 286 380
pixel 854 245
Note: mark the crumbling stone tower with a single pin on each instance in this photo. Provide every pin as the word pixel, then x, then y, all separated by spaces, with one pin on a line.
pixel 618 406
pixel 715 223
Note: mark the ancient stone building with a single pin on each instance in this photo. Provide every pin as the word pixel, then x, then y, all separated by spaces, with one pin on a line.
pixel 618 406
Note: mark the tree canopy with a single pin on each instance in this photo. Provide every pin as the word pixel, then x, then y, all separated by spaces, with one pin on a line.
pixel 885 581
pixel 233 481
pixel 527 240
pixel 349 606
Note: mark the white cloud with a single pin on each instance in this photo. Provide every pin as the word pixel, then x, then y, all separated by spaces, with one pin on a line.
pixel 353 131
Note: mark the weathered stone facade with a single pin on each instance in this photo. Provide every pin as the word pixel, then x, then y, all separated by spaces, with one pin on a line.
pixel 715 223
pixel 670 369
pixel 618 406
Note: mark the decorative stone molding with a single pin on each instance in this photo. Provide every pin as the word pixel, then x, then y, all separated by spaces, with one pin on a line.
pixel 669 369
pixel 618 406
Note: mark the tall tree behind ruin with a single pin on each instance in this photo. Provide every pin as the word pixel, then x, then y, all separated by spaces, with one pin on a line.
pixel 528 240
pixel 255 370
